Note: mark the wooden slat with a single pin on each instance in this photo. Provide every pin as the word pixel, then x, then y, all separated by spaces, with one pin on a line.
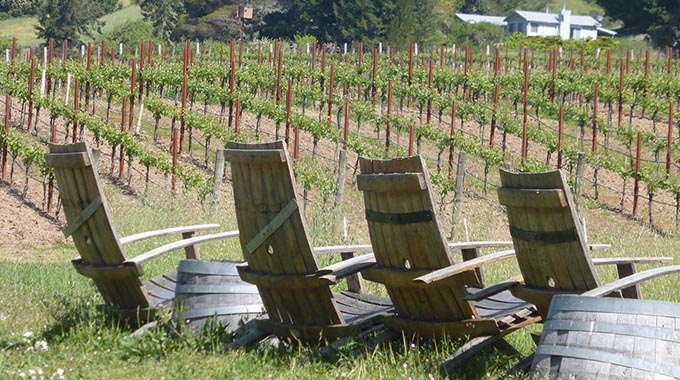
pixel 533 198
pixel 107 272
pixel 405 251
pixel 283 281
pixel 399 182
pixel 281 262
pixel 166 231
pixel 262 156
pixel 67 160
pixel 561 265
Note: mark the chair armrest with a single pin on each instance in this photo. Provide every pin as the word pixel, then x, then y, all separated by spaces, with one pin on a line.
pixel 346 268
pixel 481 244
pixel 342 249
pixel 631 280
pixel 630 260
pixel 167 231
pixel 465 266
pixel 599 247
pixel 180 244
pixel 493 290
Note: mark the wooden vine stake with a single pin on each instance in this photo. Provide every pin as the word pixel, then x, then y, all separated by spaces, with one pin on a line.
pixel 185 68
pixel 389 113
pixel 121 159
pixel 331 84
pixel 31 80
pixel 237 117
pixel 342 166
pixel 452 130
pixel 374 75
pixel 8 105
pixel 636 186
pixel 525 103
pixel 410 74
pixel 560 128
pixel 496 68
pixel 88 68
pixel 620 100
pixel 76 107
pixel 644 82
pixel 428 118
pixel 595 96
pixel 133 86
pixel 232 70
pixel 175 148
pixel 669 137
pixel 289 95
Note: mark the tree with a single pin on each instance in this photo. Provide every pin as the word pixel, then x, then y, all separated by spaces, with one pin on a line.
pixel 132 33
pixel 413 22
pixel 363 20
pixel 71 19
pixel 659 19
pixel 304 17
pixel 163 16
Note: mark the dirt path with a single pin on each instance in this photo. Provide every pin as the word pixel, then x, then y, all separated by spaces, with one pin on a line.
pixel 23 226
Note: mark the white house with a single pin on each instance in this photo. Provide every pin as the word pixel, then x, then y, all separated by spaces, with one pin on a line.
pixel 543 24
pixel 562 24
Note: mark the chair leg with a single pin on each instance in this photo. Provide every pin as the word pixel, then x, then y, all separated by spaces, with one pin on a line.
pixel 506 348
pixel 247 334
pixel 522 366
pixel 467 351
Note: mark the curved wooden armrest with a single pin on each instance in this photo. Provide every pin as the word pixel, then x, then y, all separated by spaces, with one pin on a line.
pixel 631 280
pixel 167 231
pixel 342 249
pixel 599 247
pixel 465 266
pixel 181 244
pixel 493 290
pixel 346 267
pixel 630 260
pixel 481 244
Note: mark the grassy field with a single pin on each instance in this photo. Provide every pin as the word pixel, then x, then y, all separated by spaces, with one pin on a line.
pixel 23 28
pixel 50 328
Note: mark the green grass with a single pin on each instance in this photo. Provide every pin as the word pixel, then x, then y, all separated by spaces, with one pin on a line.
pixel 577 7
pixel 119 17
pixel 23 28
pixel 49 323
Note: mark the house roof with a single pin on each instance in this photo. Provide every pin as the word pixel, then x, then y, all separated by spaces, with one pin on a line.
pixel 542 17
pixel 553 18
pixel 584 21
pixel 473 19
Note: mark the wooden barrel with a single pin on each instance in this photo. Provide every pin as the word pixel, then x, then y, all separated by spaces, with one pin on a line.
pixel 213 291
pixel 609 338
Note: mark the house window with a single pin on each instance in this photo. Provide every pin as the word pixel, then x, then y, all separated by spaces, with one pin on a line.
pixel 534 28
pixel 511 28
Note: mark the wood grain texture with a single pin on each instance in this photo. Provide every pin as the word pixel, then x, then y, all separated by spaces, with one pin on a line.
pixel 407 247
pixel 609 338
pixel 102 255
pixel 281 261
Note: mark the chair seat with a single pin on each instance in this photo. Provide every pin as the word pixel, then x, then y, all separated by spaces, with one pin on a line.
pixel 161 289
pixel 356 307
pixel 500 305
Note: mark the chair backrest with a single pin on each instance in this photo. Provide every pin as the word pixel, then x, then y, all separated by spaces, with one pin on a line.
pixel 90 225
pixel 408 239
pixel 273 233
pixel 548 238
